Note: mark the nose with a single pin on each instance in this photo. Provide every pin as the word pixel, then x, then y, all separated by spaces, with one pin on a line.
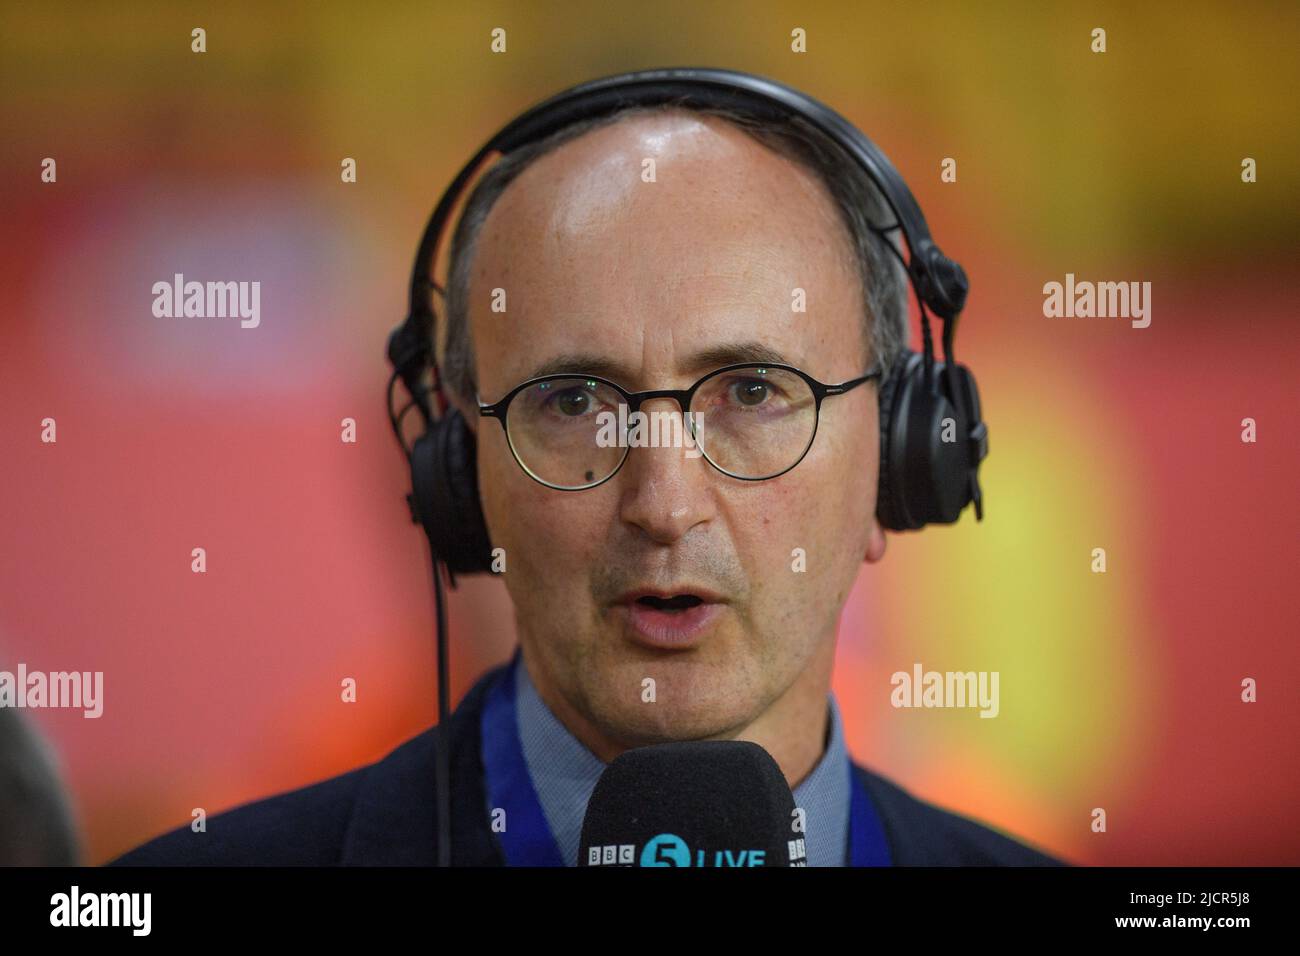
pixel 666 489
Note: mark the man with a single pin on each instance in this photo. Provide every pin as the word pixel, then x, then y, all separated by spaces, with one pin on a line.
pixel 646 250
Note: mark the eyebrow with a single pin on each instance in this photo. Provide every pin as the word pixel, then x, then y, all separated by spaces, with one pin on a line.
pixel 595 363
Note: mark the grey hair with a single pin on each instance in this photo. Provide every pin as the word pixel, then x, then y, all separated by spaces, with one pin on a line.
pixel 858 199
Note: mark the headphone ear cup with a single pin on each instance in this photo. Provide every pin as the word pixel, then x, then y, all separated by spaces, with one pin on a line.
pixel 444 482
pixel 890 482
pixel 925 458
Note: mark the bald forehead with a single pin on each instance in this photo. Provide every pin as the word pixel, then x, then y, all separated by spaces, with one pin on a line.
pixel 673 217
pixel 573 191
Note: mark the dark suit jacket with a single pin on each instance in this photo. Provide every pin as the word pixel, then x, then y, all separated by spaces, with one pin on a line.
pixel 383 814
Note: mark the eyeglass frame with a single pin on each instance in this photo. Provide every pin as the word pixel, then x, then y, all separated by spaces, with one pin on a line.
pixel 683 397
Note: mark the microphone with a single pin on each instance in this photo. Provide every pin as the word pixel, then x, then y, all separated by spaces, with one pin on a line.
pixel 721 803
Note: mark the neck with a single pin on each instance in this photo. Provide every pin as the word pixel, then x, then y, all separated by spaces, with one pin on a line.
pixel 794 729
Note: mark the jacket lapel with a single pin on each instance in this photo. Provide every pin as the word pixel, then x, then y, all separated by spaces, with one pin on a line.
pixel 394 823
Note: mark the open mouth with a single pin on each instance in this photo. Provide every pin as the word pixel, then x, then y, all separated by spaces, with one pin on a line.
pixel 678 602
pixel 679 622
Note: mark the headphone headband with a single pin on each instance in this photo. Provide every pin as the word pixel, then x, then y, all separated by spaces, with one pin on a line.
pixel 939 282
pixel 765 97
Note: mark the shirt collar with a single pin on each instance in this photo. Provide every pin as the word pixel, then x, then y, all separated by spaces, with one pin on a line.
pixel 564 773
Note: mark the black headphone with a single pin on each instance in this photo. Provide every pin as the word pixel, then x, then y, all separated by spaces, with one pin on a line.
pixel 932 438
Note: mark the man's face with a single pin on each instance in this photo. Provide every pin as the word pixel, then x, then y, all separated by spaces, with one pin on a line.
pixel 595 259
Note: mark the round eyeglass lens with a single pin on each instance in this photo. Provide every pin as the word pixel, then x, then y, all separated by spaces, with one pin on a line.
pixel 754 422
pixel 564 431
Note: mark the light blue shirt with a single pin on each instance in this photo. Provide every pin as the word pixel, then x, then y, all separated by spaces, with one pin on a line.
pixel 564 773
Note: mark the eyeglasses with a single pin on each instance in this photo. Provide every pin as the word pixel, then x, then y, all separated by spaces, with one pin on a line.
pixel 572 431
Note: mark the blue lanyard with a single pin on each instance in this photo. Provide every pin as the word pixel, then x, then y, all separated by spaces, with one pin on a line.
pixel 867 843
pixel 527 839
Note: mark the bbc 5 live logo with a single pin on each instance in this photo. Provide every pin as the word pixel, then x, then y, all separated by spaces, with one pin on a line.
pixel 668 849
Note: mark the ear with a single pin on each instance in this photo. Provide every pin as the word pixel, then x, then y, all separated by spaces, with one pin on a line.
pixel 875 541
